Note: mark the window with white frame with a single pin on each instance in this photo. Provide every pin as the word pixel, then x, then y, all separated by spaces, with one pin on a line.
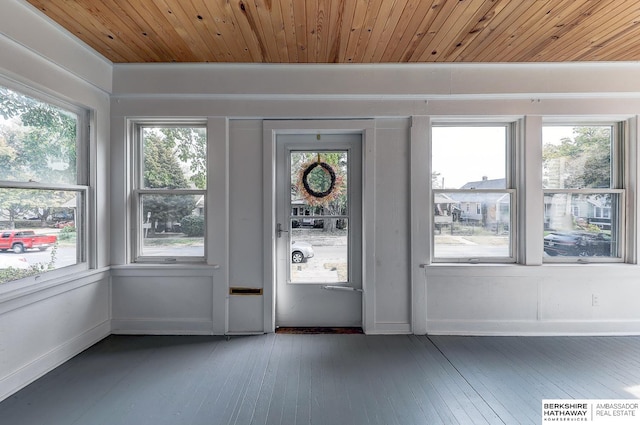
pixel 583 193
pixel 170 191
pixel 43 185
pixel 473 193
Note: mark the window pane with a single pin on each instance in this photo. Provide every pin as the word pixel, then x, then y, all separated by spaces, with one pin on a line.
pixel 579 225
pixel 472 224
pixel 576 157
pixel 469 157
pixel 172 225
pixel 39 231
pixel 37 140
pixel 318 256
pixel 319 247
pixel 174 157
pixel 323 173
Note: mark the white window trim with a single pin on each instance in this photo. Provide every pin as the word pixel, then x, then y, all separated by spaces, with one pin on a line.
pixel 136 171
pixel 85 215
pixel 621 177
pixel 513 141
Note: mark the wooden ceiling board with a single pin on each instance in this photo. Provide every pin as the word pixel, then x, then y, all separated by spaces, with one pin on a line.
pixel 613 47
pixel 375 10
pixel 136 23
pixel 121 32
pixel 508 42
pixel 472 30
pixel 352 31
pixel 252 44
pixel 300 23
pixel 603 34
pixel 519 39
pixel 355 30
pixel 407 29
pixel 186 32
pixel 494 32
pixel 215 25
pixel 417 30
pixel 336 25
pixel 464 16
pixel 436 29
pixel 391 38
pixel 85 30
pixel 385 35
pixel 548 28
pixel 560 19
pixel 289 30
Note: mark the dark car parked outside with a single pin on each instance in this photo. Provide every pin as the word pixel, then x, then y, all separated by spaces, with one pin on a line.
pixel 577 244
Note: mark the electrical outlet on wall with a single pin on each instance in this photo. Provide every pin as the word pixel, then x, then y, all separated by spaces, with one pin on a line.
pixel 595 300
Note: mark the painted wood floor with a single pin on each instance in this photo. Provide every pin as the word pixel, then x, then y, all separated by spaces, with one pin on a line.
pixel 325 379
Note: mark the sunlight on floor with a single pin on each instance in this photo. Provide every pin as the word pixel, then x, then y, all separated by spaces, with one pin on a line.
pixel 634 391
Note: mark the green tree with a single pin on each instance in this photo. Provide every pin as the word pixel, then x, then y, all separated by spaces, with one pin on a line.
pixel 162 170
pixel 37 144
pixel 189 145
pixel 38 138
pixel 320 181
pixel 583 161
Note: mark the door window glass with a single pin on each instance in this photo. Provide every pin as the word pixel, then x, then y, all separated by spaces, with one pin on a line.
pixel 319 217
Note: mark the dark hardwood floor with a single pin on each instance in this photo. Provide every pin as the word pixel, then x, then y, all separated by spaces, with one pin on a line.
pixel 326 379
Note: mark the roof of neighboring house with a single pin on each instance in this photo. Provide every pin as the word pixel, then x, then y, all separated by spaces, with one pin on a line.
pixel 441 198
pixel 483 197
pixel 486 184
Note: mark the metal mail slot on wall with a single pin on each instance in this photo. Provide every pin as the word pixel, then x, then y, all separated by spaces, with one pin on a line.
pixel 245 291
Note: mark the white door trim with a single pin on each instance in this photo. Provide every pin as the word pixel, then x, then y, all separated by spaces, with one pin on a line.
pixel 270 130
pixel 420 221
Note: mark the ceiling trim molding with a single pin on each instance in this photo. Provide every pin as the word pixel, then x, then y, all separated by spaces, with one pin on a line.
pixel 34 31
pixel 393 81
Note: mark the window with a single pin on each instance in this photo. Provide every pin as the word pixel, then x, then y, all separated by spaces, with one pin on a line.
pixel 583 196
pixel 472 193
pixel 43 185
pixel 170 192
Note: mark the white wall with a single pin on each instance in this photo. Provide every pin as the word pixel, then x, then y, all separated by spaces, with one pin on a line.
pixel 465 299
pixel 44 322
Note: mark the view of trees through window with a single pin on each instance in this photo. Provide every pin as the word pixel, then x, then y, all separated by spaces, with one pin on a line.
pixel 580 208
pixel 172 191
pixel 38 205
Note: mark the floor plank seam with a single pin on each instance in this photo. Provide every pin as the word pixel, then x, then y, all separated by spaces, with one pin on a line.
pixel 465 378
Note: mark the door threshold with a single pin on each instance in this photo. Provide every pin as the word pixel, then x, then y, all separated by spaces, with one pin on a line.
pixel 319 330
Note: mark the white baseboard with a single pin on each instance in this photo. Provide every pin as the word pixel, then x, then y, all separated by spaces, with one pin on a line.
pixel 385 328
pixel 534 328
pixel 44 364
pixel 161 327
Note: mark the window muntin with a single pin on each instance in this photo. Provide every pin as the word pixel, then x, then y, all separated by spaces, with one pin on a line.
pixel 42 183
pixel 171 192
pixel 584 204
pixel 473 200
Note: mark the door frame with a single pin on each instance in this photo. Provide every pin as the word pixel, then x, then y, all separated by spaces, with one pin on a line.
pixel 271 129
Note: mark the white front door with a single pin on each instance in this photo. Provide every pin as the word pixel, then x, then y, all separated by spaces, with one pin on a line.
pixel 318 230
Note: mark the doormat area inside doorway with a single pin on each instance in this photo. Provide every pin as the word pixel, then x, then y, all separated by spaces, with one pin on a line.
pixel 319 330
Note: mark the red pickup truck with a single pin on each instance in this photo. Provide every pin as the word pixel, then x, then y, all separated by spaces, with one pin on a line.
pixel 21 240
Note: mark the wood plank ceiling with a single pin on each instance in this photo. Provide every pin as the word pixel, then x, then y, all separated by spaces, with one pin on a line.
pixel 353 31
